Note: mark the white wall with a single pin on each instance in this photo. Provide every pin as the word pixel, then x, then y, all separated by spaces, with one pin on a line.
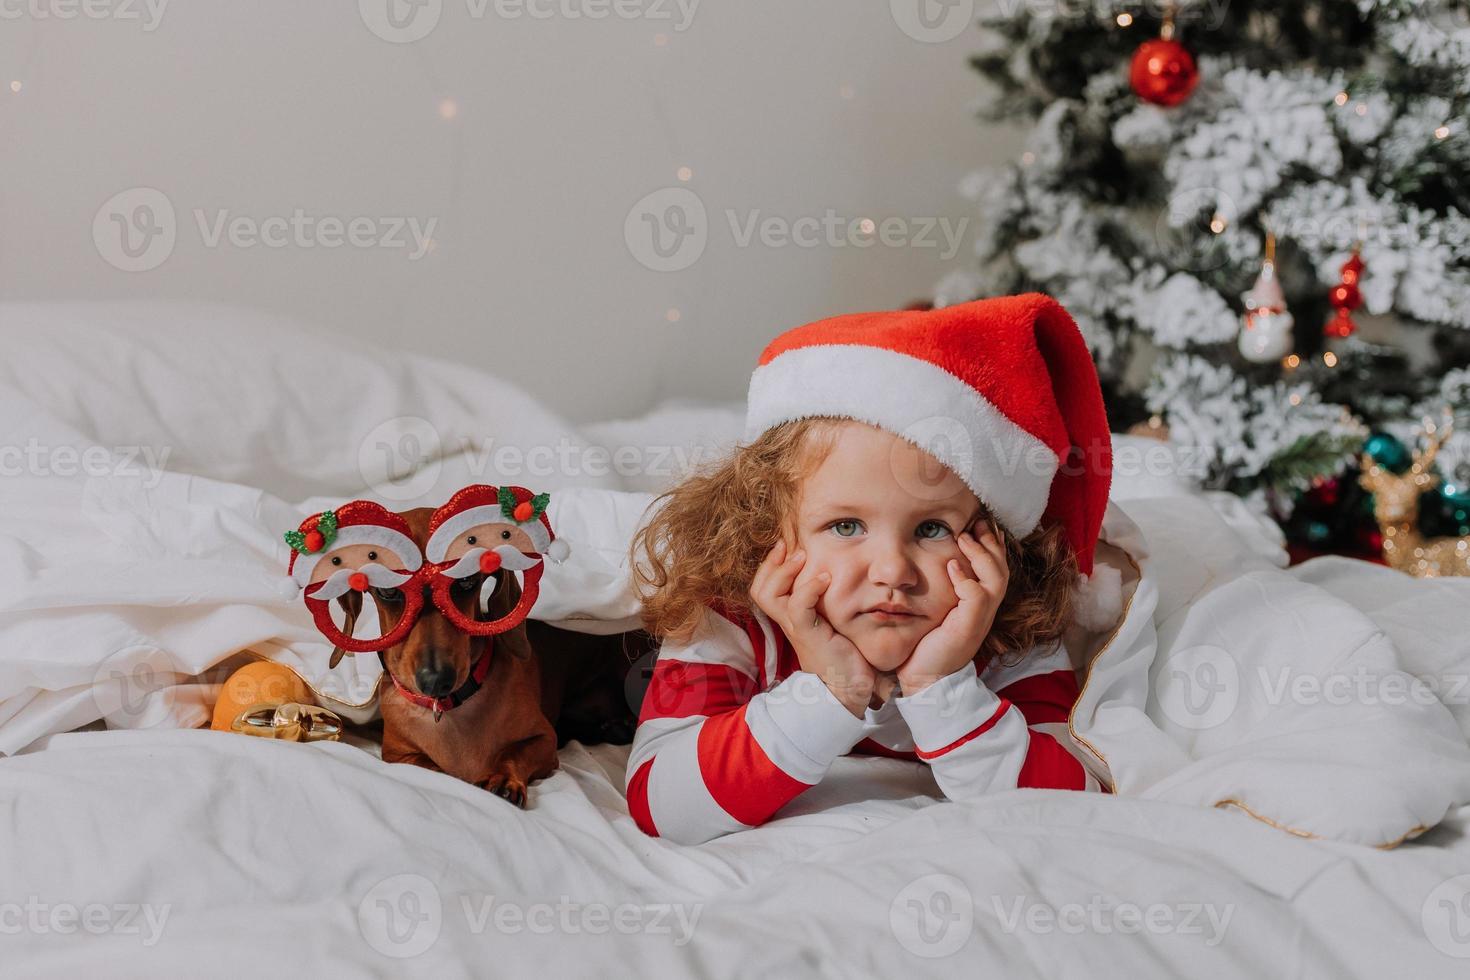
pixel 261 108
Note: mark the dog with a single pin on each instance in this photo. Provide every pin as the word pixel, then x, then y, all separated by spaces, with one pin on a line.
pixel 515 704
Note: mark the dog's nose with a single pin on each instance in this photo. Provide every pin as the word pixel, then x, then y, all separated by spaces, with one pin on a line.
pixel 435 680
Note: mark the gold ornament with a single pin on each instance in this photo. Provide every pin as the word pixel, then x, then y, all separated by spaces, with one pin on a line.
pixel 289 722
pixel 1396 508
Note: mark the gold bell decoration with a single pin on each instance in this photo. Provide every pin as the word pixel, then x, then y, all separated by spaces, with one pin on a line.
pixel 1396 508
pixel 289 722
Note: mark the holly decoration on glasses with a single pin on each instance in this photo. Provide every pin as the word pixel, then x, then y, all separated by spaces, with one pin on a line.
pixel 315 538
pixel 522 511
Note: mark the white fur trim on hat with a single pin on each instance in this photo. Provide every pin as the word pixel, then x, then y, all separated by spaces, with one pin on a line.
pixel 452 528
pixel 383 537
pixel 1098 600
pixel 1008 468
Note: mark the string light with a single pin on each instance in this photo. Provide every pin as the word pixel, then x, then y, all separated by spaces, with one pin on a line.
pixel 448 109
pixel 684 174
pixel 1217 224
pixel 17 85
pixel 1124 19
pixel 1340 98
pixel 1295 399
pixel 1292 361
pixel 1028 158
pixel 673 315
pixel 866 226
pixel 847 92
pixel 1329 358
pixel 1442 132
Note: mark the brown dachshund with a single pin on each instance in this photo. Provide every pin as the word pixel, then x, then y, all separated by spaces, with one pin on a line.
pixel 502 734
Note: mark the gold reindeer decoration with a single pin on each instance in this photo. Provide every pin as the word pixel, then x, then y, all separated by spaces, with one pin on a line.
pixel 1396 508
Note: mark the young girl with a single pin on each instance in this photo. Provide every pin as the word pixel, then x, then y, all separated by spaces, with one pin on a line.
pixel 885 566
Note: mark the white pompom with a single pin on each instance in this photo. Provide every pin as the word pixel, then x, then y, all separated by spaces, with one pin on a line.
pixel 1099 598
pixel 558 551
pixel 287 588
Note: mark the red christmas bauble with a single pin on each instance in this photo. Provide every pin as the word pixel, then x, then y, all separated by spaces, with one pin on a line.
pixel 1163 72
pixel 1345 296
pixel 313 541
pixel 1341 325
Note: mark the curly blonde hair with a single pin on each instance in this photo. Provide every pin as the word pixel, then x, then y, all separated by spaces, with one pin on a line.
pixel 708 535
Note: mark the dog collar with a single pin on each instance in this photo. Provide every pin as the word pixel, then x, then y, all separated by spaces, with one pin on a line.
pixel 456 697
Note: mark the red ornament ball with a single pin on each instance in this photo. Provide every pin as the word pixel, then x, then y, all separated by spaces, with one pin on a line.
pixel 1345 296
pixel 313 541
pixel 1163 72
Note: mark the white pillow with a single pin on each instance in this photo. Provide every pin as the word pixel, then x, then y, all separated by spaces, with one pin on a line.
pixel 267 401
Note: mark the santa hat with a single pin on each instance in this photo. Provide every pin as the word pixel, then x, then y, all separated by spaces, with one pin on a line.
pixel 355 522
pixel 485 504
pixel 1001 391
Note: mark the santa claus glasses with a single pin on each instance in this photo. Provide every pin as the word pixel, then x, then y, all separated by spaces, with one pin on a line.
pixel 363 549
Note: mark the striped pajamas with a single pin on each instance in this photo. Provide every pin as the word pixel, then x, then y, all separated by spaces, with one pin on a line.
pixel 732 729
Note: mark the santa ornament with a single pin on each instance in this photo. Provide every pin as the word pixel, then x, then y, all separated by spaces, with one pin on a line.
pixel 343 554
pixel 1265 333
pixel 1002 391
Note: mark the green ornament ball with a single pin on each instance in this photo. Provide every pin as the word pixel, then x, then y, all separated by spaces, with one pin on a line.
pixel 1388 452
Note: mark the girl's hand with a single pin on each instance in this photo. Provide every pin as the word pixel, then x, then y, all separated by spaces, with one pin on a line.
pixel 819 648
pixel 956 640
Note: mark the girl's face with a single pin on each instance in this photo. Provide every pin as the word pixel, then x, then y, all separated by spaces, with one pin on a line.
pixel 881 516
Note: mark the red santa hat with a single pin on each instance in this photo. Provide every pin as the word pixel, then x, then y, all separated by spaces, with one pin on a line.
pixel 1002 391
pixel 481 503
pixel 355 522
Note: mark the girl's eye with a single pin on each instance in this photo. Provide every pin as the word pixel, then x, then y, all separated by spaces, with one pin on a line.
pixel 933 530
pixel 465 586
pixel 846 529
pixel 388 595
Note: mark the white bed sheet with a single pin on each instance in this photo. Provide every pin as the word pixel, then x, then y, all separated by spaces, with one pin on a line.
pixel 161 851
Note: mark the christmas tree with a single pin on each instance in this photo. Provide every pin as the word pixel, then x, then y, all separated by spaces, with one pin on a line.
pixel 1226 196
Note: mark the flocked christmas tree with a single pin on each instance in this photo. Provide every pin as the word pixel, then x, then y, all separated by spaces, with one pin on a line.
pixel 1227 197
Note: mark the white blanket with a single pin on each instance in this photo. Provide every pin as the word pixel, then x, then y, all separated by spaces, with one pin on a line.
pixel 1239 708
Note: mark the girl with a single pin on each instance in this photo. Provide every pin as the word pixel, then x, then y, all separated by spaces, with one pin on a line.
pixel 886 566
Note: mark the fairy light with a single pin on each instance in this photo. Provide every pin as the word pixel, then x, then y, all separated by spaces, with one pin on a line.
pixel 1442 132
pixel 1295 399
pixel 17 85
pixel 684 174
pixel 867 226
pixel 1292 361
pixel 1329 358
pixel 1217 224
pixel 448 109
pixel 1028 158
pixel 847 92
pixel 673 315
pixel 1124 19
pixel 1340 98
pixel 1361 108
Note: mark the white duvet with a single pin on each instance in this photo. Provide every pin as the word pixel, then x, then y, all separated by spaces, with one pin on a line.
pixel 1280 739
